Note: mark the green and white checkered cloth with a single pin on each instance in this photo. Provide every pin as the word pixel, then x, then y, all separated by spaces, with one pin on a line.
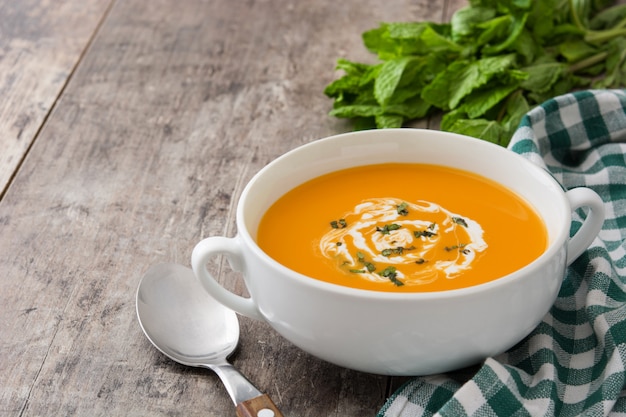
pixel 574 362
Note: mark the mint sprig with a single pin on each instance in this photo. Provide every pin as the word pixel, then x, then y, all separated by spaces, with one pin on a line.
pixel 485 68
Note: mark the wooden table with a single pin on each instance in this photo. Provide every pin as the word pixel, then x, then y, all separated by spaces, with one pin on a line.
pixel 128 129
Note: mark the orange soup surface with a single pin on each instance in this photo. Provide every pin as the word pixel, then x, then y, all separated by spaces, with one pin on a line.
pixel 402 228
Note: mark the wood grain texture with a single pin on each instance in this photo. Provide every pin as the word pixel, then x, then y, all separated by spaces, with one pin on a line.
pixel 40 44
pixel 262 406
pixel 172 109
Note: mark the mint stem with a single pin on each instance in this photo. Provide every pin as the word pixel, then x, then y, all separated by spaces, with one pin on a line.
pixel 621 24
pixel 602 36
pixel 588 62
pixel 575 17
pixel 597 36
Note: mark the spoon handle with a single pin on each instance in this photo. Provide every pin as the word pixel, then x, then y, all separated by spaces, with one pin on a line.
pixel 261 406
pixel 250 402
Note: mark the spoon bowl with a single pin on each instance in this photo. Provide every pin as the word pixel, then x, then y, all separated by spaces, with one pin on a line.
pixel 183 322
pixel 185 325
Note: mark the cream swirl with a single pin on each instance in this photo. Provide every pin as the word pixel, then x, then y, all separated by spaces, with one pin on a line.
pixel 416 242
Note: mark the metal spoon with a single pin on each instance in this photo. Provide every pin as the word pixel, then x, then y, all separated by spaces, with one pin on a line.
pixel 187 325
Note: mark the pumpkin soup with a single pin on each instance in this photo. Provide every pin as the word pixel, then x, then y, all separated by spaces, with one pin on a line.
pixel 402 227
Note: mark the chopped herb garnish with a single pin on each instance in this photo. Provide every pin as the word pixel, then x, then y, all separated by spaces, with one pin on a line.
pixel 369 267
pixel 459 246
pixel 396 281
pixel 388 228
pixel 459 220
pixel 396 251
pixel 339 243
pixel 338 224
pixel 420 261
pixel 402 209
pixel 390 272
pixel 424 233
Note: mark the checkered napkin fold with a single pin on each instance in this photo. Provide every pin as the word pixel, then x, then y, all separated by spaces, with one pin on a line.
pixel 574 362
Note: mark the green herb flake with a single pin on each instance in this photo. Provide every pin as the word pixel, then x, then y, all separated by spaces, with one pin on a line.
pixel 339 224
pixel 391 273
pixel 357 271
pixel 399 250
pixel 420 261
pixel 454 247
pixel 403 209
pixel 386 229
pixel 424 233
pixel 460 221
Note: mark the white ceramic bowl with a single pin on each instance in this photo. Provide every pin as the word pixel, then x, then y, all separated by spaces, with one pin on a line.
pixel 401 333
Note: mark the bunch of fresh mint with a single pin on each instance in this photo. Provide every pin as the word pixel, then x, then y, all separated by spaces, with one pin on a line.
pixel 484 69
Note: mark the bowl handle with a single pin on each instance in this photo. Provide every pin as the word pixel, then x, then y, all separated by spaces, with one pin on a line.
pixel 231 248
pixel 584 197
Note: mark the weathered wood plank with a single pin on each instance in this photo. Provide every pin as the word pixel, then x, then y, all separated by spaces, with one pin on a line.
pixel 173 108
pixel 40 44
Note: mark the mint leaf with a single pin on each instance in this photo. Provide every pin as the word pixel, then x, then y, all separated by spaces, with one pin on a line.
pixel 413 108
pixel 461 78
pixel 449 119
pixel 515 26
pixel 464 21
pixel 576 49
pixel 615 65
pixel 526 47
pixel 388 121
pixel 352 68
pixel 493 29
pixel 364 123
pixel 411 31
pixel 568 82
pixel 356 110
pixel 383 42
pixel 542 77
pixel 415 30
pixel 481 101
pixel 609 17
pixel 506 6
pixel 435 42
pixel 388 79
pixel 516 107
pixel 488 130
pixel 418 72
pixel 347 83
